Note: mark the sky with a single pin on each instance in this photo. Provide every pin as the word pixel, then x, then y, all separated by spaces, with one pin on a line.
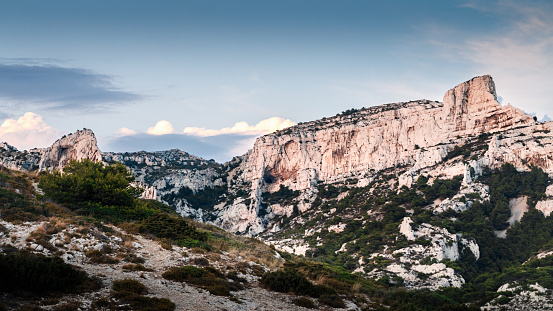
pixel 208 77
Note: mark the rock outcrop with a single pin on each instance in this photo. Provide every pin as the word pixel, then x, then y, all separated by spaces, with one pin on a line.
pixel 76 146
pixel 13 159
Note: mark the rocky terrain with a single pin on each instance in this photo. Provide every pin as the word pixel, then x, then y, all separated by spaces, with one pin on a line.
pixel 416 195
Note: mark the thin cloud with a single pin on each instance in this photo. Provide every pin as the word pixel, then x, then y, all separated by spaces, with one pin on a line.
pixel 221 144
pixel 125 132
pixel 28 131
pixel 263 127
pixel 55 87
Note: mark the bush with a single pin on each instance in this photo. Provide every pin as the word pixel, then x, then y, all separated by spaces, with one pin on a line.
pixel 70 306
pixel 201 261
pixel 129 286
pixel 291 281
pixel 141 303
pixel 172 227
pixel 135 267
pixel 16 208
pixel 207 278
pixel 39 274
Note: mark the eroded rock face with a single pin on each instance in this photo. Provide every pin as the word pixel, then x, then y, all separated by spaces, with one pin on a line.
pixel 471 108
pixel 76 146
pixel 356 145
pixel 371 139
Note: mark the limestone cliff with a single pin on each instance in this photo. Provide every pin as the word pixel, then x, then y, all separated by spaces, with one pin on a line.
pixel 355 144
pixel 76 146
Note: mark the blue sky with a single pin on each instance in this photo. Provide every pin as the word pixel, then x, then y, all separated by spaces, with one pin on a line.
pixel 202 75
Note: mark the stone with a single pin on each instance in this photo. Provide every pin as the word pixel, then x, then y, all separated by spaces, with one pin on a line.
pixel 76 146
pixel 358 145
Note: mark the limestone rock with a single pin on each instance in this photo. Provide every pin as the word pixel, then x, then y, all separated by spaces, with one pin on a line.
pixel 366 141
pixel 358 144
pixel 76 146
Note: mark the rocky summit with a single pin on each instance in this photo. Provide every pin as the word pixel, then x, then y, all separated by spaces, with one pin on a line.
pixel 454 197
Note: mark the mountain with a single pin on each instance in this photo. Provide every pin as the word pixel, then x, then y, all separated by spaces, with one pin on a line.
pixel 453 197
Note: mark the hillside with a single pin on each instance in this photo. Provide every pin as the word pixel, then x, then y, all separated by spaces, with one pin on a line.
pixel 449 200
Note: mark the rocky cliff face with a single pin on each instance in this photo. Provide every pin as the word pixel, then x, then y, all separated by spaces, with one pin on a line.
pixel 359 143
pixel 76 146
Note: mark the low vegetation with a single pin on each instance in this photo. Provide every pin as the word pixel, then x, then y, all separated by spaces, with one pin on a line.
pixel 22 271
pixel 207 278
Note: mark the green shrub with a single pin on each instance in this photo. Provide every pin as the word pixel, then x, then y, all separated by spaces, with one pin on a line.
pixel 201 261
pixel 39 274
pixel 130 292
pixel 172 227
pixel 183 274
pixel 129 286
pixel 17 208
pixel 141 303
pixel 207 278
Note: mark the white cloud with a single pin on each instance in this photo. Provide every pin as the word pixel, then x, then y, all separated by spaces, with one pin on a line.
pixel 29 131
pixel 263 127
pixel 125 132
pixel 161 128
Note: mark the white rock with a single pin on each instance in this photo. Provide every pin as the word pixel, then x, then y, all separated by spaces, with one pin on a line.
pixel 406 230
pixel 546 207
pixel 76 146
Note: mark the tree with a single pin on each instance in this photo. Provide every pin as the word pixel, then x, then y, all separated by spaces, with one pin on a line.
pixel 90 182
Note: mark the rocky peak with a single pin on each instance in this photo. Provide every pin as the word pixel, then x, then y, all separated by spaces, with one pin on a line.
pixel 76 146
pixel 471 108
